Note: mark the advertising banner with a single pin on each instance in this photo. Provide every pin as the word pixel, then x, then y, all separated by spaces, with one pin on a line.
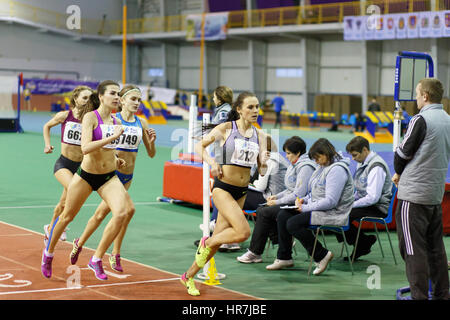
pixel 427 24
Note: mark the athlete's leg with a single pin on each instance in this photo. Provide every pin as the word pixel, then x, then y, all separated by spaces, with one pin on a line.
pixel 231 225
pixel 77 193
pixel 121 205
pixel 64 176
pixel 94 222
pixel 119 239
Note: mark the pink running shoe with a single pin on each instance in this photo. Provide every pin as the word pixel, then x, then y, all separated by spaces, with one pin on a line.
pixel 97 267
pixel 75 251
pixel 114 261
pixel 46 265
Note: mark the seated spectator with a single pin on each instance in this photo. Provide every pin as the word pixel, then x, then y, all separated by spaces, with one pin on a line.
pixel 328 202
pixel 360 122
pixel 270 184
pixel 295 181
pixel 373 192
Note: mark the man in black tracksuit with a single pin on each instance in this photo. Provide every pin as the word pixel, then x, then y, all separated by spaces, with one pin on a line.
pixel 421 164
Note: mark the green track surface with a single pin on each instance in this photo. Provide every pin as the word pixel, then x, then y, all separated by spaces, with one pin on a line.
pixel 162 234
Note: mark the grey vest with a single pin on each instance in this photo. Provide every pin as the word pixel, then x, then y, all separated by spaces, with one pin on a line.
pixel 290 179
pixel 360 179
pixel 339 215
pixel 423 180
pixel 221 113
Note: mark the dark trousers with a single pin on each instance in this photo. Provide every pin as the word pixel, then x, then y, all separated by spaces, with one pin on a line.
pixel 265 226
pixel 352 232
pixel 420 235
pixel 293 223
pixel 253 200
pixel 277 119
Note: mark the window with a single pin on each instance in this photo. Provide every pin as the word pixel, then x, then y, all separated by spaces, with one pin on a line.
pixel 289 72
pixel 156 72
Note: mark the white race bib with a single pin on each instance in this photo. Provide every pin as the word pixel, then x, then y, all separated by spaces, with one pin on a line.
pixel 72 133
pixel 107 131
pixel 129 139
pixel 245 153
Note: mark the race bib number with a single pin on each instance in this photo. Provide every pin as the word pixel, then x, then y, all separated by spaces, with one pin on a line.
pixel 129 139
pixel 245 153
pixel 72 133
pixel 107 131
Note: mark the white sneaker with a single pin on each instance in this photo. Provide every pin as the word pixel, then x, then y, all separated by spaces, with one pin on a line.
pixel 280 264
pixel 47 234
pixel 63 236
pixel 229 247
pixel 249 257
pixel 234 247
pixel 322 265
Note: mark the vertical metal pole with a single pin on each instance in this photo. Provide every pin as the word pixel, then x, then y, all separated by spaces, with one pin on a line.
pixel 124 42
pixel 202 53
pixel 193 111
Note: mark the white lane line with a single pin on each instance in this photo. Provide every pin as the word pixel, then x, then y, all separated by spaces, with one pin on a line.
pixel 85 205
pixel 132 261
pixel 90 286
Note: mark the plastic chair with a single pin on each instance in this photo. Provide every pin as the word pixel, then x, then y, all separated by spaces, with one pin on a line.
pixel 352 120
pixel 251 214
pixel 333 228
pixel 383 221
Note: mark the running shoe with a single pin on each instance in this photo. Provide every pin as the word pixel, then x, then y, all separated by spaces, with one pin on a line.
pixel 202 253
pixel 46 265
pixel 47 235
pixel 64 235
pixel 75 251
pixel 190 285
pixel 97 267
pixel 114 261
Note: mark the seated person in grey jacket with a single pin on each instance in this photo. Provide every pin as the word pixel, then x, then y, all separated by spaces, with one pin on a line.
pixel 295 182
pixel 373 192
pixel 328 202
pixel 269 184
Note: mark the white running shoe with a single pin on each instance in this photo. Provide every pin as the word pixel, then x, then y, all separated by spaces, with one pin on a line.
pixel 280 264
pixel 249 257
pixel 47 235
pixel 229 247
pixel 322 264
pixel 63 235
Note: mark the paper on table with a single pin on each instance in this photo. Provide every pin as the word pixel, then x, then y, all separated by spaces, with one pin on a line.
pixel 289 207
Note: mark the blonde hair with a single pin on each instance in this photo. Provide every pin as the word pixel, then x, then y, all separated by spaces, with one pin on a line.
pixel 125 90
pixel 224 94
